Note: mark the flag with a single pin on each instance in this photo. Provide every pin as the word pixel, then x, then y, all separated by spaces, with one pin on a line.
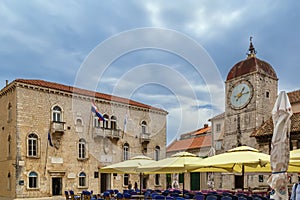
pixel 96 111
pixel 125 122
pixel 49 139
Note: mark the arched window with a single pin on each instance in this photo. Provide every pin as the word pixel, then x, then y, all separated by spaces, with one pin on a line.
pixel 9 146
pixel 78 122
pixel 96 122
pixel 105 123
pixel 113 122
pixel 126 151
pixel 57 114
pixel 82 179
pixel 8 181
pixel 9 112
pixel 144 127
pixel 32 145
pixel 81 149
pixel 157 153
pixel 33 180
pixel 79 125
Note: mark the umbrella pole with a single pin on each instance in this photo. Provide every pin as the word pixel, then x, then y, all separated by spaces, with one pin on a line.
pixel 141 182
pixel 183 184
pixel 243 176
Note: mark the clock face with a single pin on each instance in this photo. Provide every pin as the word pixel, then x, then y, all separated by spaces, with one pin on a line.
pixel 240 95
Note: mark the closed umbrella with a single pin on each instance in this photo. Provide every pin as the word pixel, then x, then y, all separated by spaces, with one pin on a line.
pixel 280 151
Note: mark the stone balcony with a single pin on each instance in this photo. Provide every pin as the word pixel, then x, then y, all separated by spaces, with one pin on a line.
pixel 57 128
pixel 107 132
pixel 145 138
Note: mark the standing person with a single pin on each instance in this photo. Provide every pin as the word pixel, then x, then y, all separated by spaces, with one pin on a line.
pixel 295 191
pixel 135 186
pixel 129 185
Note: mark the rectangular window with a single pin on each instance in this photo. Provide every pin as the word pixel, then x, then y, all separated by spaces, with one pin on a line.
pixel 32 182
pixel 218 127
pixel 181 177
pixel 125 179
pixel 261 178
pixel 157 177
pixel 32 147
pixel 96 122
pixel 96 174
pixel 218 145
pixel 81 150
pixel 81 181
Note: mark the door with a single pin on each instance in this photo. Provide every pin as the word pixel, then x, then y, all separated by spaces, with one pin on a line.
pixel 195 180
pixel 238 179
pixel 105 182
pixel 56 186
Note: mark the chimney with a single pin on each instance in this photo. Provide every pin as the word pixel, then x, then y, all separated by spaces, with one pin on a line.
pixel 6 82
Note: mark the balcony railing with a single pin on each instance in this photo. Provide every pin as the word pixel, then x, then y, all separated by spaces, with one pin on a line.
pixel 57 127
pixel 145 137
pixel 106 132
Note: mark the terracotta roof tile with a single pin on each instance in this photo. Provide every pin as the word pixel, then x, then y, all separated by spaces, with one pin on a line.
pixel 71 89
pixel 190 143
pixel 249 65
pixel 219 116
pixel 294 96
pixel 202 130
pixel 266 129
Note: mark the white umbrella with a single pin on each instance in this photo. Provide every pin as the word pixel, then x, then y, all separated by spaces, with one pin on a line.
pixel 280 151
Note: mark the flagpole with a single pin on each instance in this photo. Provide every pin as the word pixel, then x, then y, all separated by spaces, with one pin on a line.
pixel 46 157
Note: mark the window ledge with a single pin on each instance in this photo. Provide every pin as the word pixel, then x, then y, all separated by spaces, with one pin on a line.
pixel 82 159
pixel 33 157
pixel 33 189
pixel 82 187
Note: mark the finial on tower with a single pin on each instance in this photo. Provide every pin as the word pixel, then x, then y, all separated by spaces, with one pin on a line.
pixel 252 50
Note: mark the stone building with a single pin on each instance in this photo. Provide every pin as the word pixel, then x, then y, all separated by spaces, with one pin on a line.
pixel 197 142
pixel 251 92
pixel 51 141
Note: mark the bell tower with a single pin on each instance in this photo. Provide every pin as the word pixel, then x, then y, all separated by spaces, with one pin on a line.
pixel 251 91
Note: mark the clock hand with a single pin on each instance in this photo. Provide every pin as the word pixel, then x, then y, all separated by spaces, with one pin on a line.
pixel 242 89
pixel 239 95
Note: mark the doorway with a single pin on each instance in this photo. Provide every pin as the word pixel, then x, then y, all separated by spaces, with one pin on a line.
pixel 56 186
pixel 105 182
pixel 239 182
pixel 195 180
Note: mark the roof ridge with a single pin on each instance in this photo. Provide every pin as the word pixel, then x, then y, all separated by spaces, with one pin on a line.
pixel 86 92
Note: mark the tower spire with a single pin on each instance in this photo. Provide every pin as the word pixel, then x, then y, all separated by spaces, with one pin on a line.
pixel 252 51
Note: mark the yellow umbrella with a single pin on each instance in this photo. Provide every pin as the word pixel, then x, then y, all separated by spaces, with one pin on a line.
pixel 295 154
pixel 127 166
pixel 174 164
pixel 240 159
pixel 235 160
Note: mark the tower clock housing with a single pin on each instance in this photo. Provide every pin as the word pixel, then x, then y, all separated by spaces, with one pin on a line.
pixel 251 91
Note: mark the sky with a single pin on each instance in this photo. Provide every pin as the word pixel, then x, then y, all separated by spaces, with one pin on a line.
pixel 173 55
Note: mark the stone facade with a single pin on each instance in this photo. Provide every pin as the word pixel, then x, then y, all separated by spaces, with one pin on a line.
pixel 80 148
pixel 240 122
pixel 254 114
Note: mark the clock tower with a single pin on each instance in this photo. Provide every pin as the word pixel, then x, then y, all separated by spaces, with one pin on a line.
pixel 251 91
